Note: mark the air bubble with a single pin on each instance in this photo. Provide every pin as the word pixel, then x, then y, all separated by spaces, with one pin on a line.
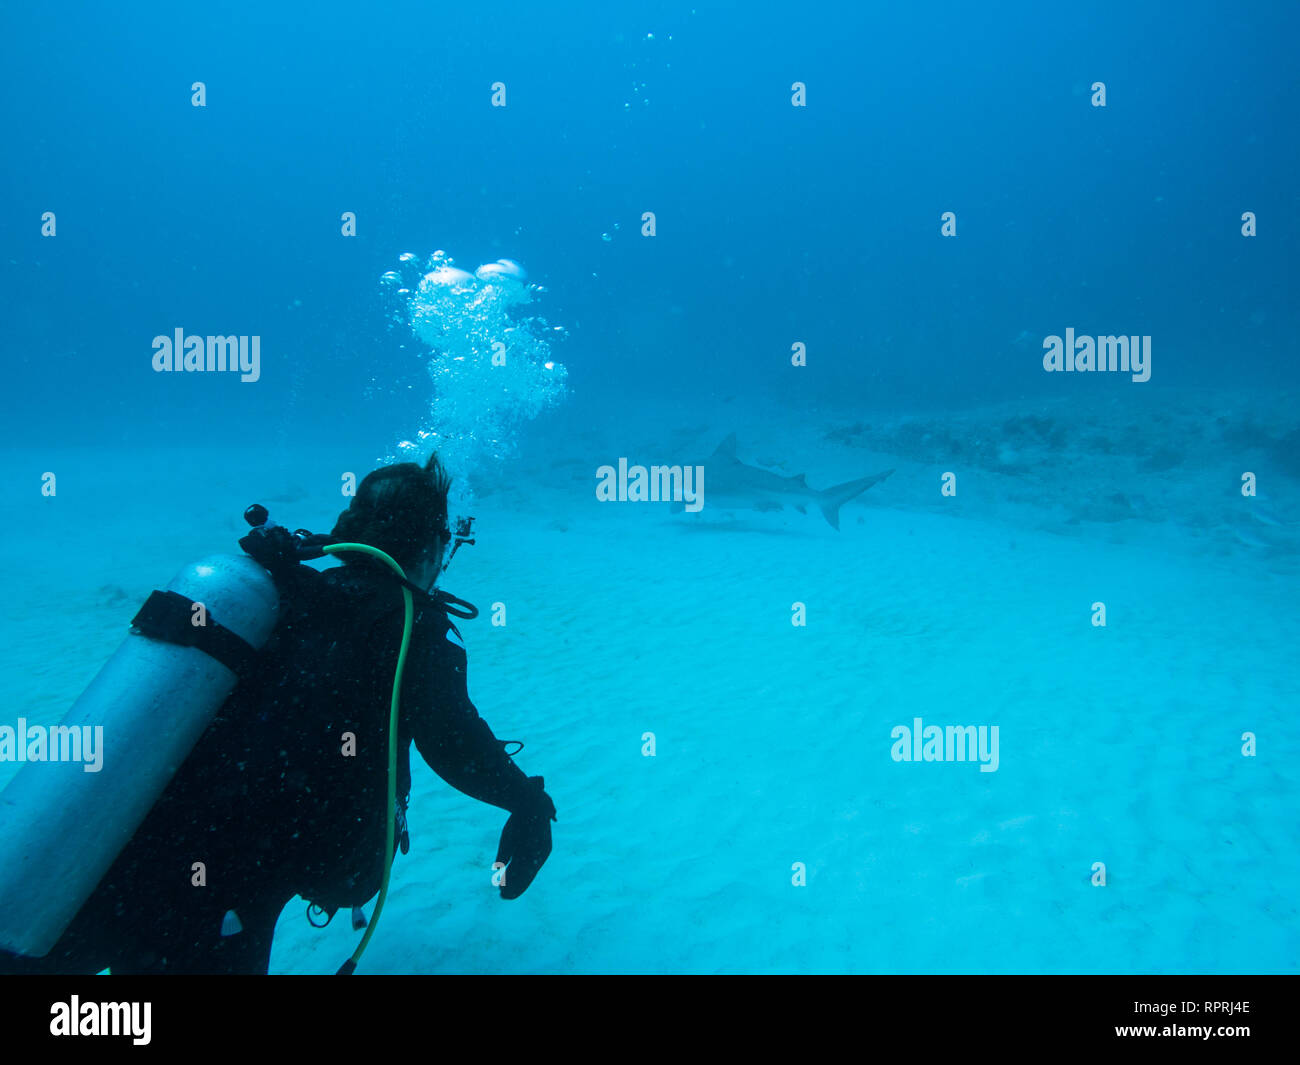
pixel 478 403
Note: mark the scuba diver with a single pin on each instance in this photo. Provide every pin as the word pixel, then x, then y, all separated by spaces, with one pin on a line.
pixel 287 791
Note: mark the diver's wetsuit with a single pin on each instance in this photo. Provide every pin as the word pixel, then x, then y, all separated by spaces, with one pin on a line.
pixel 277 799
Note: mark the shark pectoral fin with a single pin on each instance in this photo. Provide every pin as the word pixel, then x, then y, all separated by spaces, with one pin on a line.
pixel 727 449
pixel 801 508
pixel 833 498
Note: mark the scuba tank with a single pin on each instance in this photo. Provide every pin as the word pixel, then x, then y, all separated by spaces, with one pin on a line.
pixel 62 826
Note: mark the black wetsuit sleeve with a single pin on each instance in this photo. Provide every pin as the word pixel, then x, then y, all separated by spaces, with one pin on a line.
pixel 456 743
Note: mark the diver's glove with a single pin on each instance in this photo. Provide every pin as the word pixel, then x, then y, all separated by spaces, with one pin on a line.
pixel 526 842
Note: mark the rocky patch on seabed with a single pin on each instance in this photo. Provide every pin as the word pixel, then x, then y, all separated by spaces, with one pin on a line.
pixel 1178 460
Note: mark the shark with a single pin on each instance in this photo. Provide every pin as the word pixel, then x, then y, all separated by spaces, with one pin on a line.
pixel 732 485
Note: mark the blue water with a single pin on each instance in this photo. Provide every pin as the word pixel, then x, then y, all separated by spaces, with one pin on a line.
pixel 771 822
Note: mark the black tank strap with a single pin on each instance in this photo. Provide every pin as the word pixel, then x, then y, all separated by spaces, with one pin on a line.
pixel 168 616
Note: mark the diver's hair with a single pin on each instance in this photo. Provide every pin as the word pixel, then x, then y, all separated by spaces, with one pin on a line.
pixel 398 509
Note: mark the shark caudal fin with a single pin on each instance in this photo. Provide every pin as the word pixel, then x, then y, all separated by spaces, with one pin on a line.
pixel 833 498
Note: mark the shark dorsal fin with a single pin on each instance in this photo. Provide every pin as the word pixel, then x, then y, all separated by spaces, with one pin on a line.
pixel 727 449
pixel 801 479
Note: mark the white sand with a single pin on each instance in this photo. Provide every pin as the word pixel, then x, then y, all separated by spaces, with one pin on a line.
pixel 1118 745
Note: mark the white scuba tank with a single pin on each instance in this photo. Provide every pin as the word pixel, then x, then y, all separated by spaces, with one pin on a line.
pixel 61 827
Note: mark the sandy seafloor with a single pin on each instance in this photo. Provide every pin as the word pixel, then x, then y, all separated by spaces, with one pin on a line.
pixel 1119 745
